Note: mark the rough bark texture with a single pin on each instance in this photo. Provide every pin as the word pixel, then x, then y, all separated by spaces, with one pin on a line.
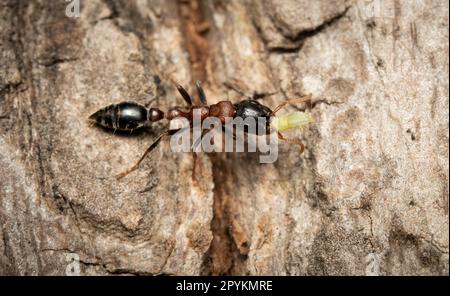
pixel 368 196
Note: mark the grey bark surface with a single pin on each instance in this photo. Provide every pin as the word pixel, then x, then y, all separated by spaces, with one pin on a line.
pixel 368 196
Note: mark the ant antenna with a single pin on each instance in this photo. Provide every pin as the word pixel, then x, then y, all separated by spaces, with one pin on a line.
pixel 201 93
pixel 291 101
pixel 184 94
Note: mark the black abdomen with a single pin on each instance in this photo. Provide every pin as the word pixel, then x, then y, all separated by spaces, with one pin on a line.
pixel 126 116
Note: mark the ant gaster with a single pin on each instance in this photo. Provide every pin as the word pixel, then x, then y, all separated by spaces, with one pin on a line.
pixel 130 116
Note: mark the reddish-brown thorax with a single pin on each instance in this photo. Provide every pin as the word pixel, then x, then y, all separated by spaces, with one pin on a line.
pixel 220 110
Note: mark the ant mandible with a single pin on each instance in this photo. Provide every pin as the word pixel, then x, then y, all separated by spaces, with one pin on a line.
pixel 130 116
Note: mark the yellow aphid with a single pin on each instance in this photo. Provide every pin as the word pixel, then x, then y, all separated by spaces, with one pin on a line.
pixel 291 120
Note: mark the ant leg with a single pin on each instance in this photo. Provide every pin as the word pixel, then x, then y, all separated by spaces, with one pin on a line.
pixel 149 149
pixel 231 131
pixel 194 160
pixel 199 139
pixel 184 94
pixel 201 93
pixel 292 141
pixel 292 101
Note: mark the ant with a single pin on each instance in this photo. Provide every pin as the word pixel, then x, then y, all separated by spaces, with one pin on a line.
pixel 130 116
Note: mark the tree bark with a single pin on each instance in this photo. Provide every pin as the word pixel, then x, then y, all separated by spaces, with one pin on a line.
pixel 368 196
